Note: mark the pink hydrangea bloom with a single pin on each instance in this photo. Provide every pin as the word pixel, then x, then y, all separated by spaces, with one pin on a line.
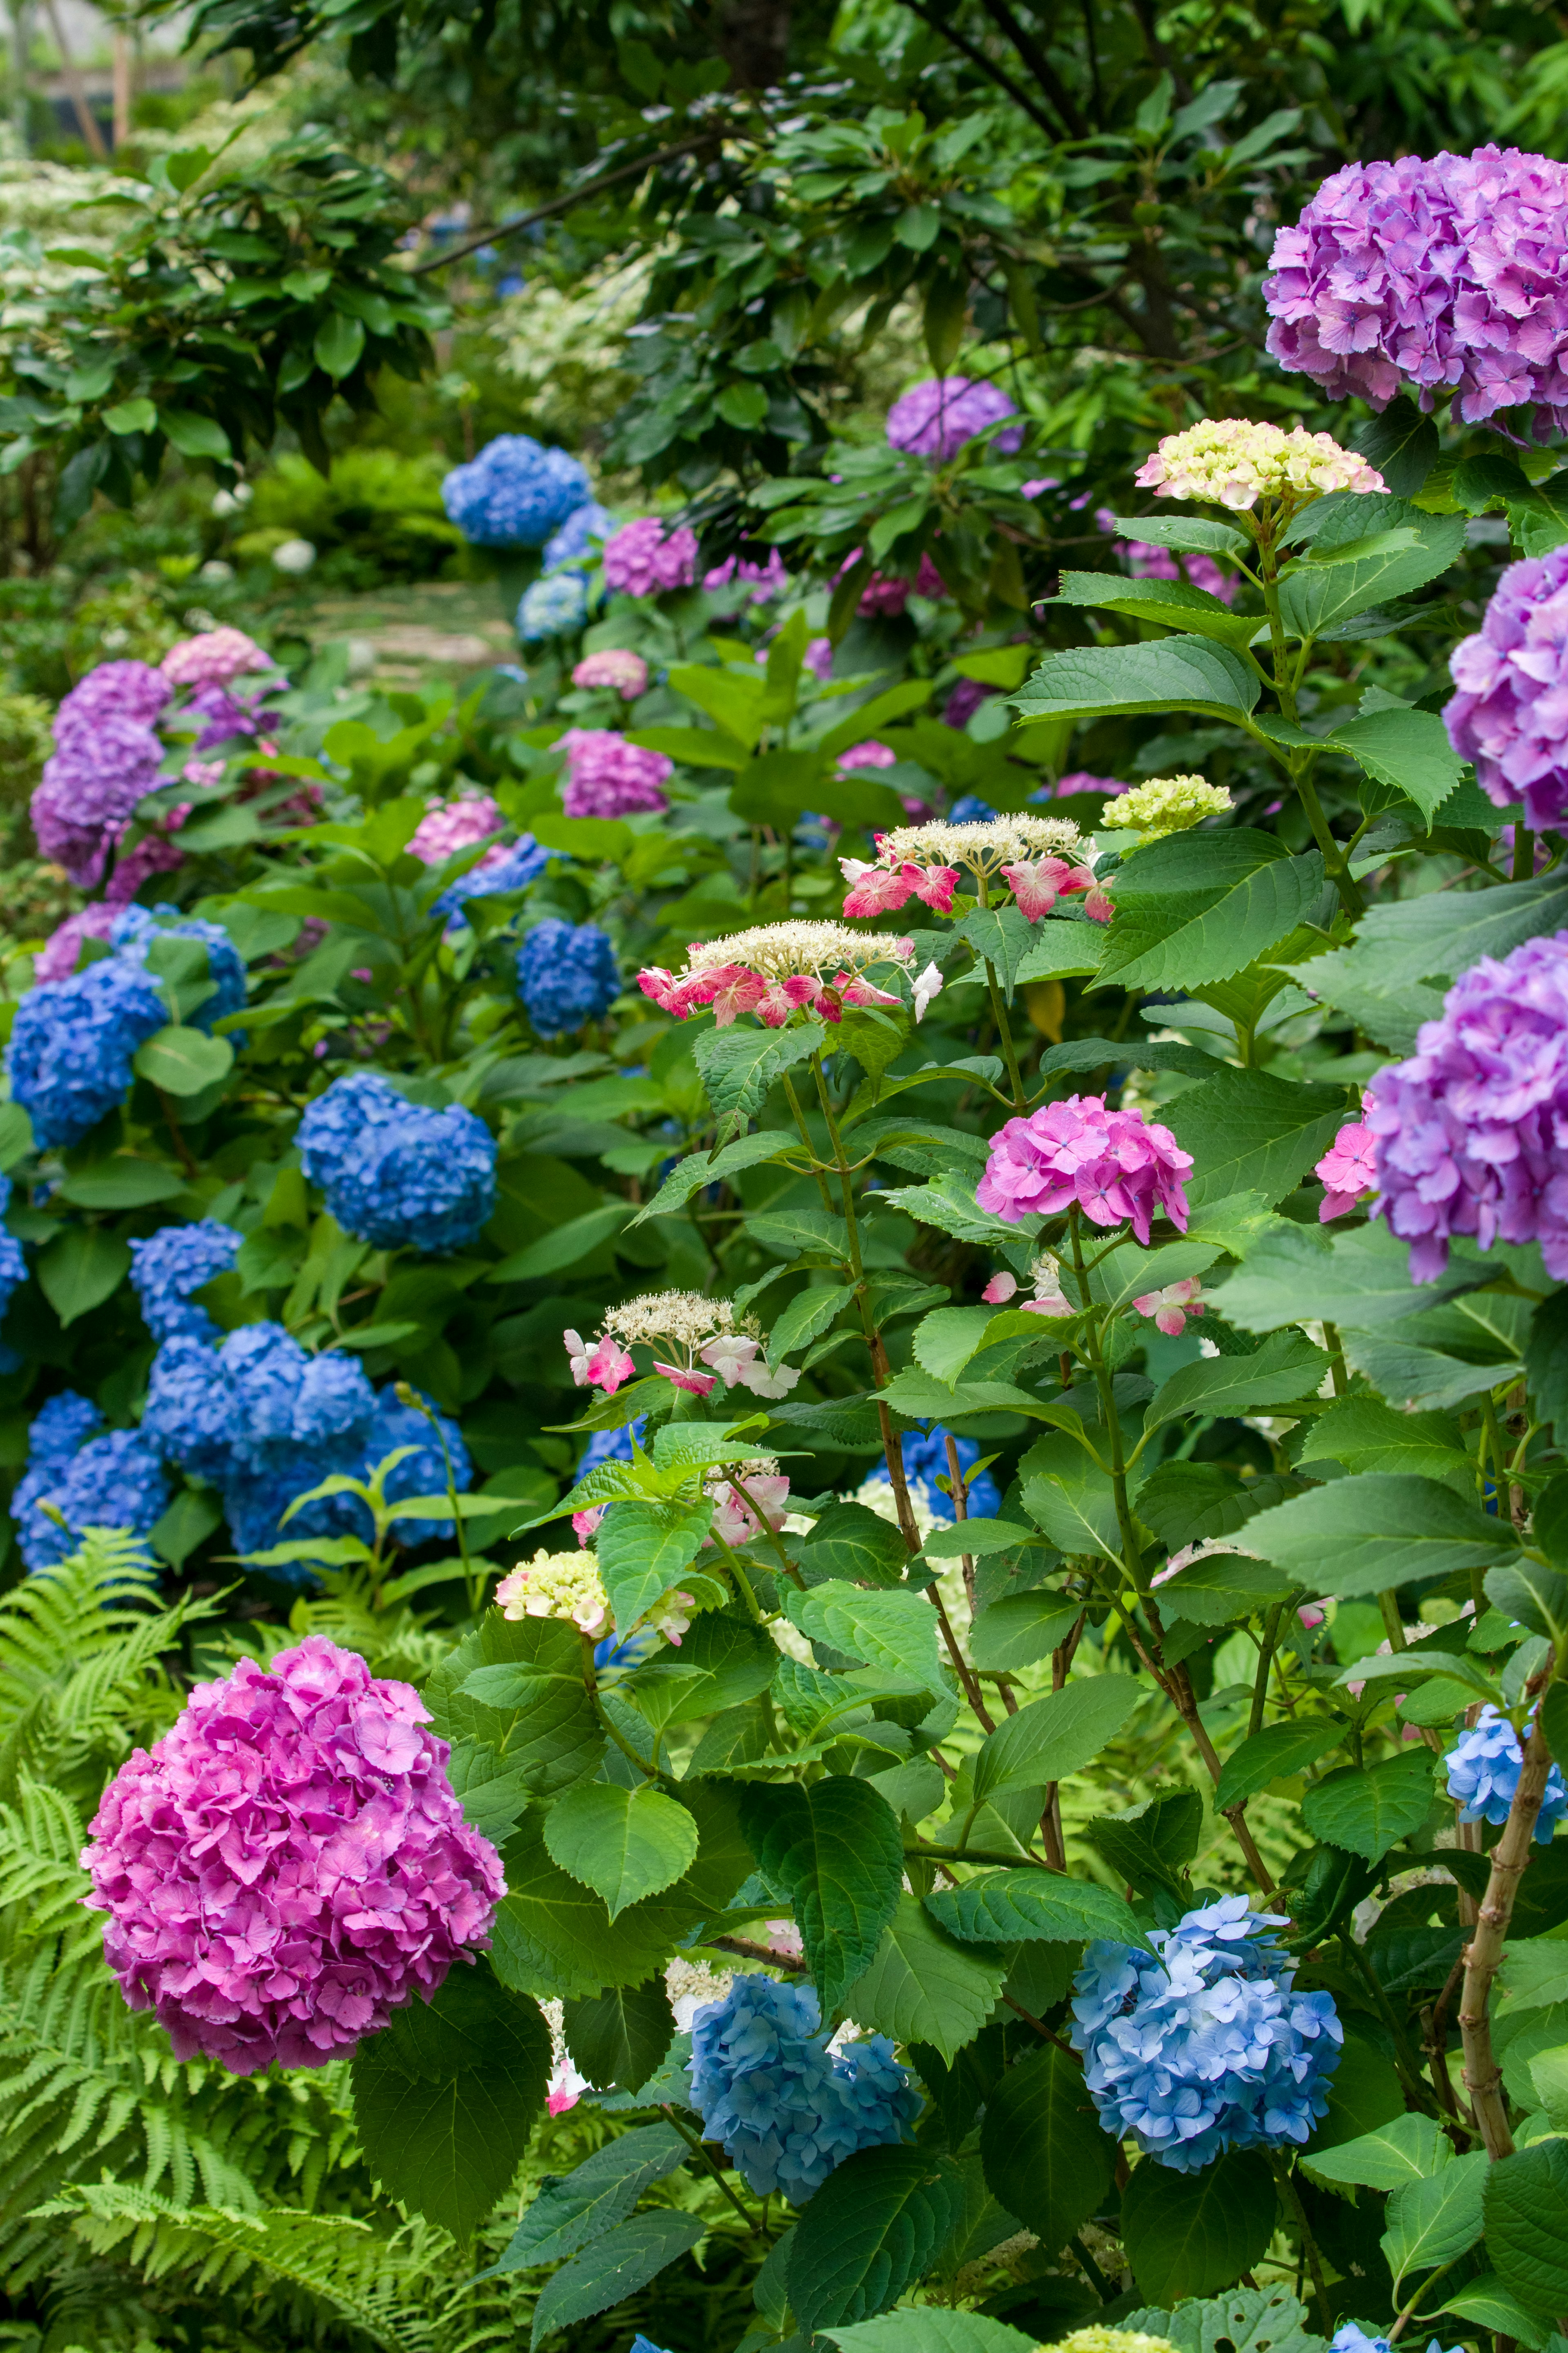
pixel 1037 887
pixel 642 559
pixel 870 754
pixel 884 596
pixel 288 1865
pixel 1448 272
pixel 1510 715
pixel 608 776
pixel 1468 1132
pixel 1079 780
pixel 818 660
pixel 447 826
pixel 761 581
pixel 734 1521
pixel 616 667
pixel 936 418
pixel 213 658
pixel 1348 1169
pixel 55 960
pixel 1171 1306
pixel 600 1364
pixel 1112 1164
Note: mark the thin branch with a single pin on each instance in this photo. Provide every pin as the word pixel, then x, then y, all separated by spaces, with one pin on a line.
pixel 563 204
pixel 991 71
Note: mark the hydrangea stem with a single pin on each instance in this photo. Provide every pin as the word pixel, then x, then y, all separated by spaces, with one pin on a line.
pixel 1297 763
pixel 1482 2075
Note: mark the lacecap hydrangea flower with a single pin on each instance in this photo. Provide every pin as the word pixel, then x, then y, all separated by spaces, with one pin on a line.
pixel 1484 1766
pixel 643 559
pixel 1230 463
pixel 1112 1164
pixel 515 494
pixel 617 668
pixel 115 1480
pixel 1467 1132
pixel 1208 2047
pixel 1034 857
pixel 289 1864
pixel 703 1342
pixel 1168 805
pixel 169 1265
pixel 608 776
pixel 397 1173
pixel 1509 715
pixel 936 418
pixel 107 756
pixel 556 605
pixel 786 2109
pixel 776 969
pixel 1447 273
pixel 566 976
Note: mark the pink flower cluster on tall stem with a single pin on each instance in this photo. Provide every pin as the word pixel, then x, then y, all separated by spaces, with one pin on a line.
pixel 616 667
pixel 447 826
pixel 289 1864
pixel 213 658
pixel 1114 1165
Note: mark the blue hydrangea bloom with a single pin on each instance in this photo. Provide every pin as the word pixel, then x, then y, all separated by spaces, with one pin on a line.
pixel 524 863
pixel 566 975
pixel 552 607
pixel 394 1172
pixel 1208 2047
pixel 173 1262
pixel 573 543
pixel 611 1445
pixel 786 2110
pixel 257 1493
pixel 1484 1767
pixel 12 1257
pixel 192 1412
pixel 59 1427
pixel 970 810
pixel 135 929
pixel 113 1482
pixel 925 1461
pixel 70 1055
pixel 515 494
pixel 265 1365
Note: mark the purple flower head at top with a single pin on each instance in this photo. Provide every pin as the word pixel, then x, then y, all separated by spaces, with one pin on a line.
pixel 935 420
pixel 365 1888
pixel 1510 713
pixel 106 757
pixel 515 494
pixel 642 559
pixel 397 1173
pixel 171 1265
pixel 608 776
pixel 1112 1164
pixel 1209 2047
pixel 1448 273
pixel 1470 1132
pixel 1484 1766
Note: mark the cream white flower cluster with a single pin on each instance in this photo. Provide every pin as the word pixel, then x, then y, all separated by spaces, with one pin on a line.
pixel 706 1334
pixel 556 1585
pixel 1166 804
pixel 1228 462
pixel 776 970
pixel 984 845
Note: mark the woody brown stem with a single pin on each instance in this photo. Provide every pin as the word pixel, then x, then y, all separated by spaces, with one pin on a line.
pixel 1483 1955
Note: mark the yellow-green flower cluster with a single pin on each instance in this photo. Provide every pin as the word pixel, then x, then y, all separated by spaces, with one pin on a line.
pixel 556 1585
pixel 1109 2340
pixel 1165 804
pixel 1229 463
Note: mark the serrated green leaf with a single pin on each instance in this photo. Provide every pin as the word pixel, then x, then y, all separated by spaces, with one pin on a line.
pixel 1409 2149
pixel 1043 2148
pixel 573 2209
pixel 738 1065
pixel 1053 1737
pixel 922 1985
pixel 838 1853
pixel 613 2267
pixel 181 1061
pixel 623 1843
pixel 642 1550
pixel 1368 1808
pixel 1200 906
pixel 1249 1132
pixel 874 2227
pixel 1287 1366
pixel 1187 2235
pixel 1376 1531
pixel 1273 1754
pixel 895 1631
pixel 1430 2222
pixel 1176 674
pixel 1002 1907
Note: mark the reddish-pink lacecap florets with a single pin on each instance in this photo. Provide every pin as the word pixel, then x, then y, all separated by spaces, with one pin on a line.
pixel 1114 1165
pixel 288 1865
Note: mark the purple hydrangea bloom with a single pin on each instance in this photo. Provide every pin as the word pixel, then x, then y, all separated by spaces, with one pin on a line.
pixel 1208 2047
pixel 106 757
pixel 786 2110
pixel 396 1173
pixel 70 1049
pixel 642 559
pixel 608 776
pixel 1448 273
pixel 756 583
pixel 223 716
pixel 171 1264
pixel 936 418
pixel 515 494
pixel 1468 1130
pixel 1484 1766
pixel 566 975
pixel 1510 715
pixel 57 959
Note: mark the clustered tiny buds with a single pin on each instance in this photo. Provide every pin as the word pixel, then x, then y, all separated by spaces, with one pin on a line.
pixel 776 970
pixel 705 1330
pixel 1228 462
pixel 1168 805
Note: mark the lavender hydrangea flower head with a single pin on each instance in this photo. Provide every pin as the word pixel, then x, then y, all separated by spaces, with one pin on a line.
pixel 566 975
pixel 786 2111
pixel 642 559
pixel 608 776
pixel 70 1055
pixel 1510 715
pixel 515 494
pixel 1448 273
pixel 1484 1766
pixel 396 1173
pixel 171 1264
pixel 554 607
pixel 106 757
pixel 1467 1131
pixel 366 1888
pixel 934 419
pixel 755 583
pixel 1208 2047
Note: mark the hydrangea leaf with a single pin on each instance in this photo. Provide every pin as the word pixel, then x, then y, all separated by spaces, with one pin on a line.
pixel 1367 1810
pixel 446 2097
pixel 553 1935
pixel 740 1065
pixel 1248 2321
pixel 614 2266
pixel 1169 603
pixel 1151 1845
pixel 838 1853
pixel 623 1843
pixel 1043 2148
pixel 854 1544
pixel 80 1267
pixel 1431 2221
pixel 1177 675
pixel 573 2209
pixel 925 1986
pixel 874 2227
pixel 1274 1754
pixel 1406 2148
pixel 1287 1366
pixel 1365 1434
pixel 1206 914
pixel 1489 2303
pixel 535 1719
pixel 1189 2233
pixel 1249 1132
pixel 1053 1737
pixel 643 1548
pixel 1019 1629
pixel 622 2036
pixel 928 2328
pixel 884 1630
pixel 180 1061
pixel 1377 1531
pixel 1002 1907
pixel 700 1168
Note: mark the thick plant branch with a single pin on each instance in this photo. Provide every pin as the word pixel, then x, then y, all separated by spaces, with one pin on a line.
pixel 1483 1955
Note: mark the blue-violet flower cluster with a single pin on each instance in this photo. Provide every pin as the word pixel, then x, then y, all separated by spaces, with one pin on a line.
pixel 566 975
pixel 1484 1766
pixel 396 1173
pixel 169 1265
pixel 115 1480
pixel 515 494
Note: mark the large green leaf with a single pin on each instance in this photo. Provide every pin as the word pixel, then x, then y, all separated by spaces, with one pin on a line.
pixel 739 1064
pixel 895 1630
pixel 874 2227
pixel 1365 1434
pixel 80 1267
pixel 836 1851
pixel 1405 748
pixel 1169 603
pixel 1248 2321
pixel 1367 1808
pixel 446 2097
pixel 554 1937
pixel 1151 1846
pixel 1174 674
pixel 1249 1132
pixel 642 1550
pixel 1189 2233
pixel 515 1688
pixel 621 2036
pixel 1429 2222
pixel 1199 906
pixel 1358 1278
pixel 929 2328
pixel 1436 935
pixel 180 1061
pixel 1053 1737
pixel 1382 1529
pixel 1407 2148
pixel 1404 546
pixel 1221 1589
pixel 1019 1629
pixel 923 1985
pixel 1524 2200
pixel 1004 1906
pixel 1045 2153
pixel 572 2209
pixel 1273 1754
pixel 700 1168
pixel 623 1843
pixel 1070 1497
pixel 120 1182
pixel 1285 1367
pixel 613 2267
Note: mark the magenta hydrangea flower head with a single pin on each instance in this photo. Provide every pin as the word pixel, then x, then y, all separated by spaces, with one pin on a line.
pixel 756 583
pixel 934 419
pixel 289 1864
pixel 642 559
pixel 616 667
pixel 447 826
pixel 1348 1169
pixel 1114 1165
pixel 608 776
pixel 1448 273
pixel 1510 713
pixel 1469 1133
